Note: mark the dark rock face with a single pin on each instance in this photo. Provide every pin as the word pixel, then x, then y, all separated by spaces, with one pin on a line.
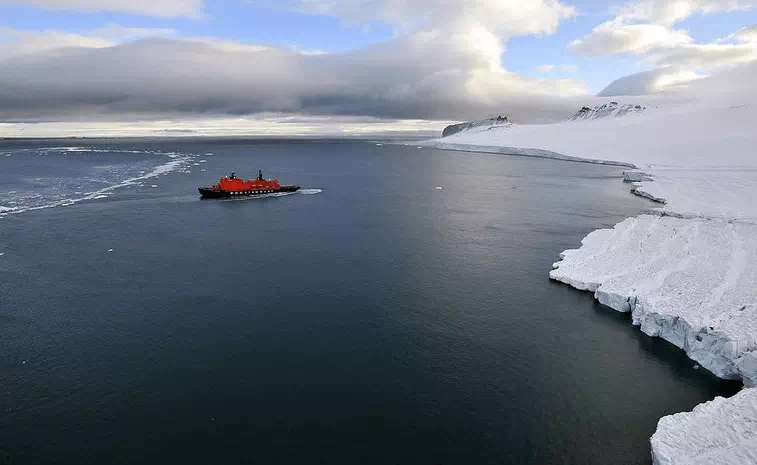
pixel 455 128
pixel 608 109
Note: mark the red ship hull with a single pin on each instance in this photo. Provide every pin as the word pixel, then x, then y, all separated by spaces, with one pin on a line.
pixel 210 193
pixel 232 186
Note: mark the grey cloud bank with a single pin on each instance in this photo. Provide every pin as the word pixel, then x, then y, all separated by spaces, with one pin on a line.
pixel 421 75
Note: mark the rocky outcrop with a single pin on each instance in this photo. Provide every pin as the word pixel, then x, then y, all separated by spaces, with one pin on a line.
pixel 612 109
pixel 456 128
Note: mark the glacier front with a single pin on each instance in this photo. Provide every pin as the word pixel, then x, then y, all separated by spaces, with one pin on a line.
pixel 686 270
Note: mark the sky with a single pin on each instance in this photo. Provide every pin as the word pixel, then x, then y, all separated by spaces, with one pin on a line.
pixel 76 67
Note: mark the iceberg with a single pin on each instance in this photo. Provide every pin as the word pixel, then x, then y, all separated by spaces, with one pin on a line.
pixel 687 269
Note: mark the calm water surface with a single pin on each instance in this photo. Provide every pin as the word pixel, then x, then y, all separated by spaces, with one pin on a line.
pixel 398 312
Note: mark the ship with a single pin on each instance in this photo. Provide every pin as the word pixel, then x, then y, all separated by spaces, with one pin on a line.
pixel 233 186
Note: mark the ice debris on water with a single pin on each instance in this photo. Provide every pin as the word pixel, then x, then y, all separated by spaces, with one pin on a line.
pixel 439 188
pixel 154 185
pixel 110 250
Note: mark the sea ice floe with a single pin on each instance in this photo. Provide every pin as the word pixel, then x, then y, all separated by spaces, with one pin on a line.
pixel 722 431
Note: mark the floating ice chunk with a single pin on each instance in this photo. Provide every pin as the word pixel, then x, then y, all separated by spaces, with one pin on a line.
pixel 101 196
pixel 721 431
pixel 2 253
pixel 110 250
pixel 154 185
pixel 439 188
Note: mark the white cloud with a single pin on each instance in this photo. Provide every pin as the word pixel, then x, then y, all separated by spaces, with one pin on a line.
pixel 650 82
pixel 503 17
pixel 117 32
pixel 612 39
pixel 646 29
pixel 161 8
pixel 16 42
pixel 744 35
pixel 669 12
pixel 646 25
pixel 565 68
pixel 704 56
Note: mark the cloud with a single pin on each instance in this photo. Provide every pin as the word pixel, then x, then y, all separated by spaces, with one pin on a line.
pixel 116 32
pixel 612 39
pixel 566 68
pixel 160 8
pixel 650 82
pixel 503 17
pixel 16 42
pixel 646 25
pixel 646 29
pixel 746 34
pixel 669 12
pixel 447 65
pixel 410 77
pixel 704 56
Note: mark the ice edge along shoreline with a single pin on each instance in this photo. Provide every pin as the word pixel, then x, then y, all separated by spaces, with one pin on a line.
pixel 713 349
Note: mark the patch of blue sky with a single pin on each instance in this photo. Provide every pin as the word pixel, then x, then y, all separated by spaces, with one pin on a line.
pixel 526 54
pixel 231 20
pixel 711 27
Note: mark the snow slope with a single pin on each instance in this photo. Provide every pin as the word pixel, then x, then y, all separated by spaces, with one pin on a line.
pixel 702 158
pixel 687 271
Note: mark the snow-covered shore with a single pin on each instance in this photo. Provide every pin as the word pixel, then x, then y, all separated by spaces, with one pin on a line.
pixel 687 270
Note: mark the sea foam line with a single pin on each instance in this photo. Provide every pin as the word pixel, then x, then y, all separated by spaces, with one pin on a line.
pixel 177 160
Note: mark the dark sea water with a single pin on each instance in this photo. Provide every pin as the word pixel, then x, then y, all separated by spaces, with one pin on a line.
pixel 373 319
